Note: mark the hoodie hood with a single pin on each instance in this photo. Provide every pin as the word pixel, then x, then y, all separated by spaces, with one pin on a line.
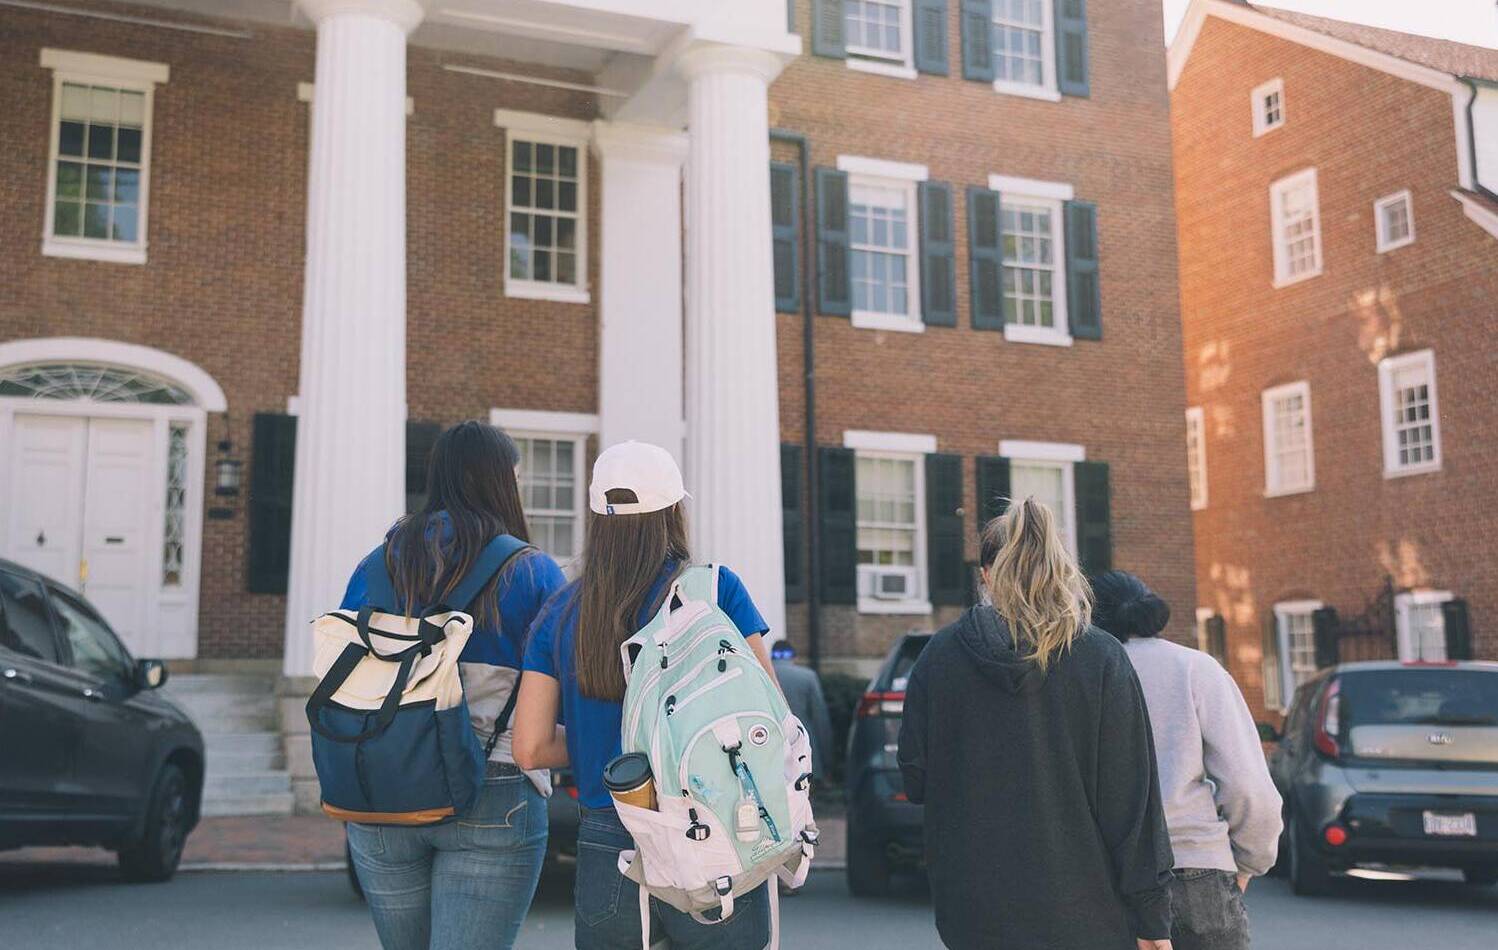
pixel 986 638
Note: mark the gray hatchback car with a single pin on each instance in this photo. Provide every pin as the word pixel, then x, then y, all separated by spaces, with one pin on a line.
pixel 1390 764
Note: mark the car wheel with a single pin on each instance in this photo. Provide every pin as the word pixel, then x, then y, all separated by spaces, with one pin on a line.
pixel 868 866
pixel 1481 877
pixel 156 855
pixel 1310 875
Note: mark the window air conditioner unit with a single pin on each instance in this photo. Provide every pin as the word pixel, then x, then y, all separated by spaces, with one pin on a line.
pixel 894 583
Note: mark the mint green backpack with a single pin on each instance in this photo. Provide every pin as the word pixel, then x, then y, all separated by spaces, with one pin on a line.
pixel 732 765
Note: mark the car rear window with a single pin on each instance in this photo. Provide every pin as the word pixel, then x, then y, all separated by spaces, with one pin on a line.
pixel 1420 697
pixel 905 657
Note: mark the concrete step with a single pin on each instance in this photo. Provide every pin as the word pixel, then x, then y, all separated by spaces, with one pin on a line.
pixel 279 803
pixel 216 685
pixel 226 787
pixel 228 705
pixel 252 742
pixel 213 726
pixel 238 763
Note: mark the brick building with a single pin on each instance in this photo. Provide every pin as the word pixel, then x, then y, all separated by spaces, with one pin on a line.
pixel 257 254
pixel 1334 197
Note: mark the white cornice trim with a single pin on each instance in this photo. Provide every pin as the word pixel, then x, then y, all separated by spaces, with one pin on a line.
pixel 1031 187
pixel 1180 48
pixel 105 67
pixel 541 420
pixel 1042 451
pixel 1483 217
pixel 647 144
pixel 911 442
pixel 205 391
pixel 537 123
pixel 882 168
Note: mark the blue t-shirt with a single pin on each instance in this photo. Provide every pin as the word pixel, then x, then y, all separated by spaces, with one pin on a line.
pixel 593 725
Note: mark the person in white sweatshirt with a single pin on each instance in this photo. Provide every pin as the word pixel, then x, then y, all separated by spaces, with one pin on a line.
pixel 1221 807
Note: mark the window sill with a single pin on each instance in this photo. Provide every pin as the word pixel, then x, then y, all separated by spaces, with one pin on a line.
pixel 1019 333
pixel 1386 248
pixel 873 320
pixel 1199 507
pixel 878 68
pixel 1282 492
pixel 1280 282
pixel 1264 130
pixel 1026 91
pixel 1428 469
pixel 894 607
pixel 86 250
pixel 535 290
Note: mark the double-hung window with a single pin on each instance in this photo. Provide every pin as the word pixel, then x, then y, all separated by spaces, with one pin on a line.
pixel 1196 456
pixel 546 191
pixel 1420 625
pixel 1295 220
pixel 1044 471
pixel 1296 633
pixel 1034 269
pixel 98 177
pixel 1024 48
pixel 890 489
pixel 1268 104
pixel 1289 457
pixel 884 271
pixel 877 36
pixel 1411 417
pixel 1394 221
pixel 551 474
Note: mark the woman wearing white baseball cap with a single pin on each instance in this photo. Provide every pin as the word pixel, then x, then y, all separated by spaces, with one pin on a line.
pixel 636 546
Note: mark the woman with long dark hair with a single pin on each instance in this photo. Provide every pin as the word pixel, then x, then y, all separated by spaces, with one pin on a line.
pixel 637 544
pixel 1025 735
pixel 466 883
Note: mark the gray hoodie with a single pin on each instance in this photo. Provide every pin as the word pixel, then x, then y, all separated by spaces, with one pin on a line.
pixel 1220 805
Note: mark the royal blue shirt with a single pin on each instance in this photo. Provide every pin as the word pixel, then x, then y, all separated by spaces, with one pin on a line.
pixel 593 725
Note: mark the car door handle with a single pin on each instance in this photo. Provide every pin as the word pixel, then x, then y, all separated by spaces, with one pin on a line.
pixel 94 695
pixel 17 676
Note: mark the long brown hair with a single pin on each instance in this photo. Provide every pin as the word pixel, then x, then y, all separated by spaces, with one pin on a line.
pixel 472 488
pixel 1035 583
pixel 622 559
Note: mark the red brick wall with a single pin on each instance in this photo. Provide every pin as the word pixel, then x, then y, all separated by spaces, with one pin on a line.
pixel 1368 134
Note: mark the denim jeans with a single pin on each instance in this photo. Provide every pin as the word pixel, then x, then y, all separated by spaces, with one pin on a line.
pixel 607 903
pixel 1207 911
pixel 462 885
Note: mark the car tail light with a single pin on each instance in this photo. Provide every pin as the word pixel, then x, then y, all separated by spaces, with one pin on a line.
pixel 572 792
pixel 1335 835
pixel 1329 722
pixel 874 705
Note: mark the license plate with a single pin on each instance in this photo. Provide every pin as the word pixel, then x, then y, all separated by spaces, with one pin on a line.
pixel 1462 825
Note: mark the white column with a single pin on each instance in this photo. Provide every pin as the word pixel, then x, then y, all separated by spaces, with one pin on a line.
pixel 350 452
pixel 639 341
pixel 733 400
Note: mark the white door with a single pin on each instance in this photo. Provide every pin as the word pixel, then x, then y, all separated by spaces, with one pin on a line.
pixel 117 503
pixel 46 476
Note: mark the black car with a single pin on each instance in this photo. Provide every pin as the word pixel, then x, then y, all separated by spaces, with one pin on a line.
pixel 93 755
pixel 884 828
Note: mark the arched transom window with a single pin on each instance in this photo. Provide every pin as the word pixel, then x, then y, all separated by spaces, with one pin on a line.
pixel 98 383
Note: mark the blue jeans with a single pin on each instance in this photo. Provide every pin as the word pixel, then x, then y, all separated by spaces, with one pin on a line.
pixel 463 885
pixel 1208 910
pixel 607 903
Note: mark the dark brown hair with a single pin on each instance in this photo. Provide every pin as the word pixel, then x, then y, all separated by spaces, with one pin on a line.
pixel 471 485
pixel 622 559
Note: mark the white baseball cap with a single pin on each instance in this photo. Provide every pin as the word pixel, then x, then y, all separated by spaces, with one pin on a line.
pixel 647 470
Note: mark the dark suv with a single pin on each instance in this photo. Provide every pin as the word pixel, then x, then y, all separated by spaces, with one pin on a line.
pixel 884 828
pixel 93 755
pixel 1390 764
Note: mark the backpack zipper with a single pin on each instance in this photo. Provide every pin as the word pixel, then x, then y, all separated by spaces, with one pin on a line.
pixel 718 680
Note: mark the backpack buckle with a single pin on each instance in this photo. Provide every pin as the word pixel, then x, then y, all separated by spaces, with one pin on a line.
pixel 723 885
pixel 698 831
pixel 803 781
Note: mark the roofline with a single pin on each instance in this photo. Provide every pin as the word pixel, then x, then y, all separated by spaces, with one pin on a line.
pixel 1180 47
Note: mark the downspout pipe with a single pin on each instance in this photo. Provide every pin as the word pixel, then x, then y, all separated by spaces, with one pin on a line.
pixel 809 388
pixel 1477 184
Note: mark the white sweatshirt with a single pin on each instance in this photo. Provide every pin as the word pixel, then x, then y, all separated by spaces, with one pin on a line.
pixel 1221 806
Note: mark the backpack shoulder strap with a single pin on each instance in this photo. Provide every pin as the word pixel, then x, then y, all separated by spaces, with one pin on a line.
pixel 496 554
pixel 699 582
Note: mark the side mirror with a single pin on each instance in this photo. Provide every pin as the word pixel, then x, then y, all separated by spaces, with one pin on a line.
pixel 150 674
pixel 1268 733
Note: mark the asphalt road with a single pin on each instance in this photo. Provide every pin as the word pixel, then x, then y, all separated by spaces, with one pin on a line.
pixel 71 907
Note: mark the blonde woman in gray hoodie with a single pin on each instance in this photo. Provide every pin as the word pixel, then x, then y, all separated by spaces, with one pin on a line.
pixel 1221 807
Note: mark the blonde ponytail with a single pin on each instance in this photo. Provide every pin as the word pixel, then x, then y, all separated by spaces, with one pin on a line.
pixel 1035 583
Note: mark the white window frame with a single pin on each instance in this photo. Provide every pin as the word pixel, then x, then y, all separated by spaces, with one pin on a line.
pixel 574 427
pixel 1053 195
pixel 1048 90
pixel 1274 485
pixel 547 130
pixel 132 75
pixel 1203 615
pixel 902 446
pixel 1256 104
pixel 1402 604
pixel 1196 456
pixel 1282 277
pixel 881 173
pixel 1283 611
pixel 1381 234
pixel 1387 368
pixel 879 62
pixel 1061 456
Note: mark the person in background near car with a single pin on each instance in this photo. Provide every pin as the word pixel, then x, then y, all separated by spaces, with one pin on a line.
pixel 634 550
pixel 469 882
pixel 803 693
pixel 1220 804
pixel 1026 737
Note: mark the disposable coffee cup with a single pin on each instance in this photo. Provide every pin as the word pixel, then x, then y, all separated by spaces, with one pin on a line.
pixel 628 779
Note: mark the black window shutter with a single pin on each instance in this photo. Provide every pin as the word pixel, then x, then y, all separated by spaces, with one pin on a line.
pixel 792 518
pixel 1084 299
pixel 834 295
pixel 1272 671
pixel 945 567
pixel 272 474
pixel 1325 625
pixel 985 258
pixel 827 28
pixel 1071 48
pixel 1094 526
pixel 785 243
pixel 977 40
pixel 790 16
pixel 1217 639
pixel 838 511
pixel 1458 630
pixel 993 488
pixel 930 21
pixel 938 256
pixel 420 436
